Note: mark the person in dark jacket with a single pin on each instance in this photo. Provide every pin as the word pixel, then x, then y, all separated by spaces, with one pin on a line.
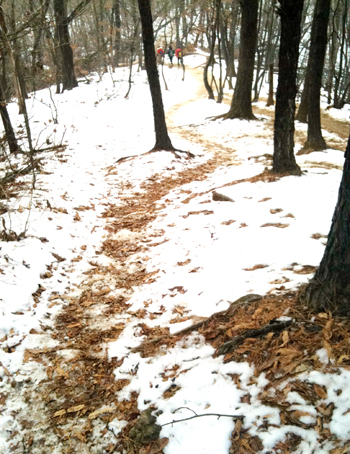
pixel 171 54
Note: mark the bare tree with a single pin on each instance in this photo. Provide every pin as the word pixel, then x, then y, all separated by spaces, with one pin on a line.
pixel 241 105
pixel 283 157
pixel 163 141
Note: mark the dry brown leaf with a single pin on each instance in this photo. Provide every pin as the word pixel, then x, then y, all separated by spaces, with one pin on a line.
pixel 329 324
pixel 238 428
pixel 59 371
pixel 322 315
pixel 285 337
pixel 275 224
pixel 59 413
pixel 320 391
pixel 80 436
pixel 77 259
pixel 342 358
pixel 275 210
pixel 100 411
pixel 328 348
pixel 75 408
pixel 159 445
pixel 77 217
pixel 256 267
pixel 299 413
pixel 74 325
pixel 289 351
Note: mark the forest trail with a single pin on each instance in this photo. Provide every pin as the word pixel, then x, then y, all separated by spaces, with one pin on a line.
pixel 76 407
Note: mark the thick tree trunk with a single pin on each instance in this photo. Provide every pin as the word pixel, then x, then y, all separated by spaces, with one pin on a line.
pixel 69 79
pixel 330 287
pixel 163 141
pixel 241 106
pixel 283 157
pixel 318 46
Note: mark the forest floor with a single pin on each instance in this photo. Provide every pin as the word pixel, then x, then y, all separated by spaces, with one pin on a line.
pixel 144 310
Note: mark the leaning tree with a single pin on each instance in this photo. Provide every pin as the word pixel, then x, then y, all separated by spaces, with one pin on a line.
pixel 318 45
pixel 163 141
pixel 290 12
pixel 329 289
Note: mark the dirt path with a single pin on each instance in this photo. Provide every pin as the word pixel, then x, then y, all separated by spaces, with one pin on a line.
pixel 330 124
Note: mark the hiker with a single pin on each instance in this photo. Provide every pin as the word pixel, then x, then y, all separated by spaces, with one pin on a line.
pixel 178 55
pixel 171 54
pixel 160 55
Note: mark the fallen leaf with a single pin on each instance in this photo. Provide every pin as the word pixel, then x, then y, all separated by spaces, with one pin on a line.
pixel 100 411
pixel 76 408
pixel 320 391
pixel 59 413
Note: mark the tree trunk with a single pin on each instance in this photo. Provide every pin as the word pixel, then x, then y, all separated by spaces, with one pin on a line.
pixel 10 134
pixel 241 106
pixel 304 101
pixel 163 141
pixel 318 46
pixel 210 59
pixel 270 100
pixel 69 79
pixel 329 289
pixel 283 157
pixel 117 25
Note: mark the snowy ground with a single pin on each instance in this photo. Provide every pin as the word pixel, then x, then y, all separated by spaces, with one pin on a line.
pixel 203 255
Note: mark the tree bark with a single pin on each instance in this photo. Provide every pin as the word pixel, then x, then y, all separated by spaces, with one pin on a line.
pixel 270 100
pixel 330 287
pixel 10 134
pixel 304 101
pixel 318 45
pixel 69 79
pixel 241 105
pixel 117 25
pixel 163 141
pixel 283 157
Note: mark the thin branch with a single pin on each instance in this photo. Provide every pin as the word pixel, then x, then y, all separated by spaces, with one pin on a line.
pixel 218 415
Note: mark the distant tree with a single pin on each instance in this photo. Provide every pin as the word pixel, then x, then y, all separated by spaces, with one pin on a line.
pixel 329 289
pixel 241 105
pixel 318 46
pixel 290 12
pixel 163 141
pixel 116 23
pixel 304 100
pixel 68 76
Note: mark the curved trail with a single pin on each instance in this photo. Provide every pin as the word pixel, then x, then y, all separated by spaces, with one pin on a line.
pixel 71 409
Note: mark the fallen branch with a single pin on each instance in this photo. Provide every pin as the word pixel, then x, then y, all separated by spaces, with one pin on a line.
pixel 229 346
pixel 218 415
pixel 24 171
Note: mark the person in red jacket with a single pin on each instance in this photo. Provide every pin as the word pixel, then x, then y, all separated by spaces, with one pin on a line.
pixel 178 55
pixel 160 55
